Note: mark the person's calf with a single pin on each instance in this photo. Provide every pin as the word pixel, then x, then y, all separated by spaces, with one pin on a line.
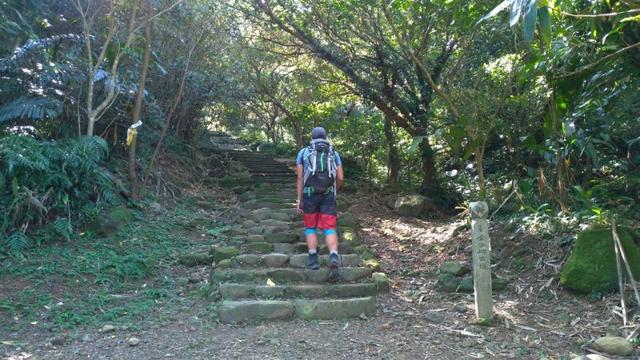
pixel 331 238
pixel 313 261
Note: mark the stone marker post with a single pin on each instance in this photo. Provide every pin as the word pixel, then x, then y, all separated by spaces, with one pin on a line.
pixel 481 247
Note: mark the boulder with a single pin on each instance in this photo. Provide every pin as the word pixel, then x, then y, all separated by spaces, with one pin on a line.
pixel 466 285
pixel 447 282
pixel 412 205
pixel 454 268
pixel 349 221
pixel 613 345
pixel 592 264
pixel 112 221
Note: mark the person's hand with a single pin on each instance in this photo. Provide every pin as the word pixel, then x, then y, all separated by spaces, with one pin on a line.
pixel 298 206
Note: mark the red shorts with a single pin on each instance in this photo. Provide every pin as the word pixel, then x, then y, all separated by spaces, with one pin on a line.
pixel 320 211
pixel 321 221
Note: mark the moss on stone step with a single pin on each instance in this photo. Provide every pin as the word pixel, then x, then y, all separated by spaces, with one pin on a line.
pixel 220 253
pixel 195 259
pixel 382 281
pixel 259 247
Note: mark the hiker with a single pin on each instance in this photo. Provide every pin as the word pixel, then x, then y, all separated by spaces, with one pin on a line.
pixel 320 175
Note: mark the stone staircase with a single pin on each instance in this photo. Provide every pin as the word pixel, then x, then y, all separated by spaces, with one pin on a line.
pixel 261 273
pixel 263 167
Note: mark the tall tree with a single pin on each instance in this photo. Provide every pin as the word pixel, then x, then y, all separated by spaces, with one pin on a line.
pixel 148 28
pixel 356 39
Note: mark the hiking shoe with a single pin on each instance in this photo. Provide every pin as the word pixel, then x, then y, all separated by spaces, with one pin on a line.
pixel 313 262
pixel 334 274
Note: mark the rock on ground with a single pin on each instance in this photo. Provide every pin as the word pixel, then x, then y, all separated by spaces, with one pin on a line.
pixel 592 264
pixel 613 345
pixel 412 205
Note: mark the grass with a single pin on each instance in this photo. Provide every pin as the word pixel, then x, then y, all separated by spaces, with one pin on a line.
pixel 120 279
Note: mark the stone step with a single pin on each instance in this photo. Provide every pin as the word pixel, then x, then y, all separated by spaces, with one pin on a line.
pixel 333 309
pixel 284 178
pixel 278 260
pixel 281 182
pixel 263 247
pixel 263 164
pixel 343 248
pixel 270 171
pixel 235 291
pixel 346 260
pixel 287 275
pixel 231 311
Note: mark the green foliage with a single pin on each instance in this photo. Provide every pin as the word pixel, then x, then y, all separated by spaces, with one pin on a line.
pixel 16 242
pixel 50 181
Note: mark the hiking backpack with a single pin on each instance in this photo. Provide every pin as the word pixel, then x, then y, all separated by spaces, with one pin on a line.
pixel 321 174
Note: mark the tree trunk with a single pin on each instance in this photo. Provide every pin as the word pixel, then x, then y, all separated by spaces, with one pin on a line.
pixel 167 124
pixel 394 158
pixel 133 176
pixel 561 169
pixel 428 168
pixel 479 154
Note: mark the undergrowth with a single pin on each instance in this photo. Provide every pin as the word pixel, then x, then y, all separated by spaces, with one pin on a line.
pixel 56 184
pixel 122 279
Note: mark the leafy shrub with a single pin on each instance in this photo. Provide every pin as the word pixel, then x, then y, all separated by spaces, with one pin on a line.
pixel 44 182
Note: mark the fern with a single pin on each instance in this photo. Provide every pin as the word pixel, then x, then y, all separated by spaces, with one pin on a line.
pixel 60 176
pixel 63 227
pixel 20 53
pixel 17 243
pixel 30 109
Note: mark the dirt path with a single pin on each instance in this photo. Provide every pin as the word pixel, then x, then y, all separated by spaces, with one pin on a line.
pixel 535 319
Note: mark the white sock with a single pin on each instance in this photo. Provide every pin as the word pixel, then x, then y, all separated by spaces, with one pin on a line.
pixel 312 251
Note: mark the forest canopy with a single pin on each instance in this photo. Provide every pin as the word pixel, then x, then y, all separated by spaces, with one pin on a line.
pixel 532 105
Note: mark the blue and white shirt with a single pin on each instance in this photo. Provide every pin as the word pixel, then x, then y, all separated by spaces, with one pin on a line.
pixel 303 158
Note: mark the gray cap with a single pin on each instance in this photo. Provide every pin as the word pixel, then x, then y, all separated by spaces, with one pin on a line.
pixel 318 133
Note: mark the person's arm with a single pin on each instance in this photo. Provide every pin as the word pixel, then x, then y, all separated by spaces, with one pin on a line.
pixel 339 171
pixel 300 173
pixel 339 176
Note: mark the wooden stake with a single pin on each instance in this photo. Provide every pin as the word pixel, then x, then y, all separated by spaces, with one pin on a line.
pixel 618 243
pixel 620 275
